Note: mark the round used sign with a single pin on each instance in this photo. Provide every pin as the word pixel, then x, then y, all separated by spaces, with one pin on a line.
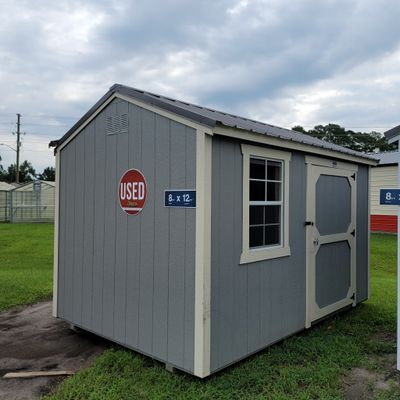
pixel 132 191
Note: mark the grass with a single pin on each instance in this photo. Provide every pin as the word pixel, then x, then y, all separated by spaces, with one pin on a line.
pixel 310 365
pixel 26 263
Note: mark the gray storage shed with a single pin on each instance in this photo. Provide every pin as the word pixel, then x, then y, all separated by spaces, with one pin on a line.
pixel 198 237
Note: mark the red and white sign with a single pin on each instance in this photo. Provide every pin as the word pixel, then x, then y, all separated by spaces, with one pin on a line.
pixel 132 191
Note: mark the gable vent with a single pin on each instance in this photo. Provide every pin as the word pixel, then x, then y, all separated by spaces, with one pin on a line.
pixel 116 124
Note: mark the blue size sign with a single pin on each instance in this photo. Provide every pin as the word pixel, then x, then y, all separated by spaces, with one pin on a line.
pixel 180 198
pixel 390 196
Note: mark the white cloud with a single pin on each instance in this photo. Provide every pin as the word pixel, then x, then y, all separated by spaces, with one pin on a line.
pixel 365 98
pixel 282 61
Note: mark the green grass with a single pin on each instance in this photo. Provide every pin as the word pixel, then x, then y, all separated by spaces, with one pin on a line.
pixel 26 262
pixel 310 365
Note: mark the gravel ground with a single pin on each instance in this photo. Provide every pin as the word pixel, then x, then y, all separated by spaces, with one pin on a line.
pixel 32 340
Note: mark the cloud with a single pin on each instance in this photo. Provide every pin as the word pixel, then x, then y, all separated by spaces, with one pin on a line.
pixel 283 62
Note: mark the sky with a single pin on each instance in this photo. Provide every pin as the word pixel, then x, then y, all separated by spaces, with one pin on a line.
pixel 284 62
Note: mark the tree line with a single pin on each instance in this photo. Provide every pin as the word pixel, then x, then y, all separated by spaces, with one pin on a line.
pixel 26 173
pixel 363 142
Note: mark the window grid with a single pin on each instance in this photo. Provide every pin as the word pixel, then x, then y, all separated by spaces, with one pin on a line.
pixel 268 203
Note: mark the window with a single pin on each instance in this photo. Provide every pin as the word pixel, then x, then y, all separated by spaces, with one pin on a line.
pixel 265 203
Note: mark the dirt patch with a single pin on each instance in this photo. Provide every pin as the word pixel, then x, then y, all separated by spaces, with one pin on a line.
pixel 363 384
pixel 31 339
pixel 384 337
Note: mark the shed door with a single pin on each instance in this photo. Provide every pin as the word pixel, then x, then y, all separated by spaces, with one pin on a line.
pixel 331 245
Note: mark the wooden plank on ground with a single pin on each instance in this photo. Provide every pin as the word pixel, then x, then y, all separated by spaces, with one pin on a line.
pixel 35 374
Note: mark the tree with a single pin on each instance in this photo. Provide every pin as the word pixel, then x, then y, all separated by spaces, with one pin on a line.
pixel 358 141
pixel 48 174
pixel 2 173
pixel 26 173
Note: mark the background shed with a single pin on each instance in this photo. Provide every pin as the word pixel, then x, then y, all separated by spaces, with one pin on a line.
pixel 30 202
pixel 4 201
pixel 384 175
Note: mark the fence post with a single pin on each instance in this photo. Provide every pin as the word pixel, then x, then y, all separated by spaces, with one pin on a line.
pixel 11 206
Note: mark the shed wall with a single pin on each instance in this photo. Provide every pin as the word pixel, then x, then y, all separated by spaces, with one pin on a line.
pixel 383 218
pixel 129 278
pixel 256 304
pixel 362 234
pixel 252 305
pixel 382 177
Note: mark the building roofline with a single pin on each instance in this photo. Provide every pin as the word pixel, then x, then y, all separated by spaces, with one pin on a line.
pixel 207 117
pixel 391 133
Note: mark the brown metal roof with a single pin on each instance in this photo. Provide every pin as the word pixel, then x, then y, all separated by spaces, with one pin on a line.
pixel 210 118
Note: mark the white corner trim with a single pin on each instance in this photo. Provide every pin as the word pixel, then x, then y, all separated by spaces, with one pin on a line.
pixel 56 228
pixel 288 144
pixel 249 256
pixel 202 318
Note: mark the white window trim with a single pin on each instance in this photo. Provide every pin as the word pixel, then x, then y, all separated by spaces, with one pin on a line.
pixel 264 253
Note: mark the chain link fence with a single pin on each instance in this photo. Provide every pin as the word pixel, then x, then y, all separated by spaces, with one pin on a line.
pixel 33 202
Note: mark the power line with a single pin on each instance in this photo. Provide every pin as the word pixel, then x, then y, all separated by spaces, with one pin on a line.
pixel 18 146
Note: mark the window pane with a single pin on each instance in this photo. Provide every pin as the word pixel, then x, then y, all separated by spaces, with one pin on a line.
pixel 257 191
pixel 272 235
pixel 274 170
pixel 272 214
pixel 256 215
pixel 274 191
pixel 257 168
pixel 256 236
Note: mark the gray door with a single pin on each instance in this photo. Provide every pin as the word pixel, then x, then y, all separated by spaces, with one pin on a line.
pixel 331 222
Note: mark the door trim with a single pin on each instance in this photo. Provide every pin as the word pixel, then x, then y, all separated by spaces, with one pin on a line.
pixel 314 167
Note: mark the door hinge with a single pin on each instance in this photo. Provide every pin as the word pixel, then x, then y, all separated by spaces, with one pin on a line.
pixel 354 176
pixel 309 223
pixel 353 232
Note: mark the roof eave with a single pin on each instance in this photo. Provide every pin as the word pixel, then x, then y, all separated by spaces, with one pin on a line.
pixel 360 157
pixel 134 94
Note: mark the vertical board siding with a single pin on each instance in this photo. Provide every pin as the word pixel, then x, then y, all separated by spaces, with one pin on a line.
pixel 161 241
pixel 69 229
pixel 99 224
pixel 362 234
pixel 109 213
pixel 177 234
pixel 129 278
pixel 88 221
pixel 121 238
pixel 78 229
pixel 147 235
pixel 255 304
pixel 133 248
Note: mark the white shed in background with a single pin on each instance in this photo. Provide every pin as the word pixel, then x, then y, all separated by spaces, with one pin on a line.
pixel 30 202
pixel 384 175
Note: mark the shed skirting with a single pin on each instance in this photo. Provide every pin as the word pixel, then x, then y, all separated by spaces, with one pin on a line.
pixel 384 223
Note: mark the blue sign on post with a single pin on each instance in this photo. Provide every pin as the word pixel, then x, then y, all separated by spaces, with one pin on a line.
pixel 390 196
pixel 180 198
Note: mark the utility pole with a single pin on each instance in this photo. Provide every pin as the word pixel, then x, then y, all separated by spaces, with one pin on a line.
pixel 18 146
